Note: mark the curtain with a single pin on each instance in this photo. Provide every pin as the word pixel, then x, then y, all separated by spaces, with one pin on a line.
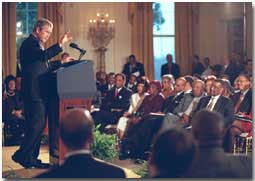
pixel 53 12
pixel 184 36
pixel 141 19
pixel 9 38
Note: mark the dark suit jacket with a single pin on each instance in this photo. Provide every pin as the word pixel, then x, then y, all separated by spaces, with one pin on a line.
pixel 103 89
pixel 212 162
pixel 84 166
pixel 122 101
pixel 232 71
pixel 224 106
pixel 246 104
pixel 171 103
pixel 138 68
pixel 198 68
pixel 175 70
pixel 33 65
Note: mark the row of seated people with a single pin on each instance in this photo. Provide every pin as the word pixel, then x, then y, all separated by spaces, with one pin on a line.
pixel 175 153
pixel 13 113
pixel 138 123
pixel 197 154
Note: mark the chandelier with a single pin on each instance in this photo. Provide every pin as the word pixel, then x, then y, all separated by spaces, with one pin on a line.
pixel 101 32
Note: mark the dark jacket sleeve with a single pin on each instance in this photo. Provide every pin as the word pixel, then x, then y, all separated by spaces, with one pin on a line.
pixel 229 113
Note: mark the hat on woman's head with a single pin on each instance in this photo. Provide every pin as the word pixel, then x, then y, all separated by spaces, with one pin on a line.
pixel 157 84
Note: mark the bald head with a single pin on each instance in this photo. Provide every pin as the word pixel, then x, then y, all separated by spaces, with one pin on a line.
pixel 76 127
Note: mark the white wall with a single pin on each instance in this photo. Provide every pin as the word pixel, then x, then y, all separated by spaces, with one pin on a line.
pixel 76 16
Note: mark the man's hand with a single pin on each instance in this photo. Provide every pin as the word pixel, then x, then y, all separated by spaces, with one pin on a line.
pixel 65 38
pixel 185 119
pixel 18 113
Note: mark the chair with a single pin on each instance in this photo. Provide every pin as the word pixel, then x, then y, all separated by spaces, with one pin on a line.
pixel 243 144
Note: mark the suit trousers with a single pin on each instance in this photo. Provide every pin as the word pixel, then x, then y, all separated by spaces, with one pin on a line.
pixel 35 113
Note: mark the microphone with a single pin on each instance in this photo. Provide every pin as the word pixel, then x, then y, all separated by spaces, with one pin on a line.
pixel 75 46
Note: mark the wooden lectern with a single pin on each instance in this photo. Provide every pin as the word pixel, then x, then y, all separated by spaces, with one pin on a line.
pixel 70 86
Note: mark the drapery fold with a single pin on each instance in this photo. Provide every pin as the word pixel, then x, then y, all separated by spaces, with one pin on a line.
pixel 9 38
pixel 140 16
pixel 53 12
pixel 184 46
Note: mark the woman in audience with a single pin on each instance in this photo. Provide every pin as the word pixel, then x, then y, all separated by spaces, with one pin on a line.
pixel 12 111
pixel 172 154
pixel 130 144
pixel 168 85
pixel 228 89
pixel 136 100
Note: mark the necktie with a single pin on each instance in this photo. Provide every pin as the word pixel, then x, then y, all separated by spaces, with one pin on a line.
pixel 116 93
pixel 194 106
pixel 239 102
pixel 210 105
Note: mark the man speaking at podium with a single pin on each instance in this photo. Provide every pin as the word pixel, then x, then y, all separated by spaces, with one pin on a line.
pixel 34 63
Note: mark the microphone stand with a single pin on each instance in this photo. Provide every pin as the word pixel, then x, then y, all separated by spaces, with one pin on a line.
pixel 82 53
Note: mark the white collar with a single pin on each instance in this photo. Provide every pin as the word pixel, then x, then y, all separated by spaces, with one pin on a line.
pixel 188 91
pixel 245 92
pixel 119 89
pixel 215 98
pixel 77 152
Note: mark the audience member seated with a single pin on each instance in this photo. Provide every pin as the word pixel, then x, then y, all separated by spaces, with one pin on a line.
pixel 210 160
pixel 134 136
pixel 228 89
pixel 76 132
pixel 208 84
pixel 171 102
pixel 136 101
pixel 217 102
pixel 133 67
pixel 114 105
pixel 168 85
pixel 208 69
pixel 14 121
pixel 170 67
pixel 172 154
pixel 242 108
pixel 100 79
pixel 230 69
pixel 131 83
pixel 247 68
pixel 188 86
pixel 198 67
pixel 109 85
pixel 182 114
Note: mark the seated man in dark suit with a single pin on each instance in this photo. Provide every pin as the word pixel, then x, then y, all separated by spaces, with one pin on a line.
pixel 76 132
pixel 170 67
pixel 114 105
pixel 104 88
pixel 184 111
pixel 243 107
pixel 211 161
pixel 133 67
pixel 218 103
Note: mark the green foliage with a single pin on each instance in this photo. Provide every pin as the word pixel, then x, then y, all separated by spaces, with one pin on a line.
pixel 143 171
pixel 11 174
pixel 104 146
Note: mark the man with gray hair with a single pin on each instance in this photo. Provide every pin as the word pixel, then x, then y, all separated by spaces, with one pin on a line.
pixel 34 63
pixel 76 132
